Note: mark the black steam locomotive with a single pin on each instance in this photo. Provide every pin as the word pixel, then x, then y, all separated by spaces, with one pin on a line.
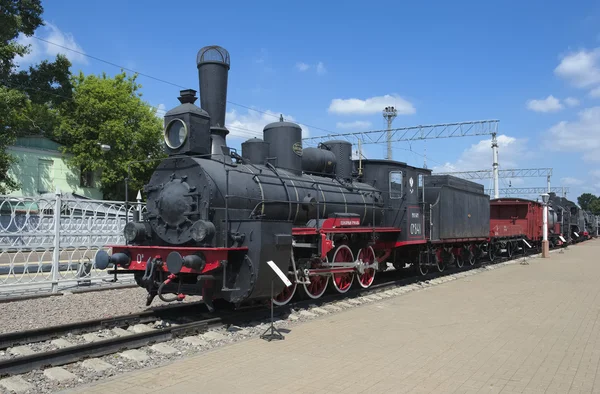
pixel 215 218
pixel 578 225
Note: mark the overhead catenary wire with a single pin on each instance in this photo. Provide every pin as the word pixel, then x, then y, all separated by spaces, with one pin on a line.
pixel 247 132
pixel 168 82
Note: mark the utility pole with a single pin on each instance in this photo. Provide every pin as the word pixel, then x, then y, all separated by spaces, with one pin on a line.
pixel 495 165
pixel 548 180
pixel 545 245
pixel 389 113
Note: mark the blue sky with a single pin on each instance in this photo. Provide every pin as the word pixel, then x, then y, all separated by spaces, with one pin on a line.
pixel 533 65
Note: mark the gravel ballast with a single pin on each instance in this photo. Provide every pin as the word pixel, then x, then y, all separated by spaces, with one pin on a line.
pixel 70 308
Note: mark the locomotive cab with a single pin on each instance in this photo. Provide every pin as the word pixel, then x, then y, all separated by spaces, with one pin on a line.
pixel 403 191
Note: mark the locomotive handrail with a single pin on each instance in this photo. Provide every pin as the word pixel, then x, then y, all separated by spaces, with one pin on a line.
pixel 285 176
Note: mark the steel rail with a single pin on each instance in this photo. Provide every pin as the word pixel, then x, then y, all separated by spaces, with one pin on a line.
pixel 47 333
pixel 75 353
pixel 104 347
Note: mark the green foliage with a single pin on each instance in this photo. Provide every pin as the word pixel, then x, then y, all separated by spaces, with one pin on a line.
pixel 110 111
pixel 16 16
pixel 28 98
pixel 11 104
pixel 585 201
pixel 595 206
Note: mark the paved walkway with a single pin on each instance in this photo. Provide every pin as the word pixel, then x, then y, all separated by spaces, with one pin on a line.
pixel 518 329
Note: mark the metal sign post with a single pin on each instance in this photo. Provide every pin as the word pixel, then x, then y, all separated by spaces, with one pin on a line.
pixel 272 332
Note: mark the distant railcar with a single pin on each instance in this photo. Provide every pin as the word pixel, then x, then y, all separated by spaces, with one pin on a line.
pixel 516 218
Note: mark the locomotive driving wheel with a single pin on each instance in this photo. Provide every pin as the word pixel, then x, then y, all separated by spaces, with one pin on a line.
pixel 342 281
pixel 288 292
pixel 366 279
pixel 317 283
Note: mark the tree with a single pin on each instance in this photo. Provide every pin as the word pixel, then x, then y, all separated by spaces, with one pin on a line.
pixel 28 98
pixel 595 206
pixel 585 200
pixel 110 111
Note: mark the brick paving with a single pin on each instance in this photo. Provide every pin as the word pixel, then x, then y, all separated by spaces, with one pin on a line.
pixel 518 329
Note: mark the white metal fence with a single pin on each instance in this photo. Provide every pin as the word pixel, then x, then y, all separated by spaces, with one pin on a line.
pixel 47 243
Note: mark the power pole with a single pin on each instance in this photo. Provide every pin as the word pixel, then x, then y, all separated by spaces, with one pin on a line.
pixel 495 164
pixel 389 113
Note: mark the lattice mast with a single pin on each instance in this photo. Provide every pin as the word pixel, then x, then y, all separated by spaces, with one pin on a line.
pixel 495 164
pixel 389 114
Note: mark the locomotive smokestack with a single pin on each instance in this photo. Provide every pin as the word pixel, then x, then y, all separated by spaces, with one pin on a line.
pixel 213 69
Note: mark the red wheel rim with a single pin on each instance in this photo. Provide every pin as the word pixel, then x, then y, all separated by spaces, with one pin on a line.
pixel 368 257
pixel 287 293
pixel 343 281
pixel 317 285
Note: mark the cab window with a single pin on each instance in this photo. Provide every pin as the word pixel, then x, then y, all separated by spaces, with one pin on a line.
pixel 396 184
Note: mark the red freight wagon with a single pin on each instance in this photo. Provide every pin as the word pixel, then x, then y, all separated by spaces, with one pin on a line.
pixel 512 218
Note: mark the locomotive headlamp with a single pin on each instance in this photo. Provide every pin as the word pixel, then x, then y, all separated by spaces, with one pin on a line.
pixel 202 231
pixel 134 231
pixel 176 133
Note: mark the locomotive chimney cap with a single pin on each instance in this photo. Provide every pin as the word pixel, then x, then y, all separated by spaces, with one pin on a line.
pixel 187 96
pixel 213 54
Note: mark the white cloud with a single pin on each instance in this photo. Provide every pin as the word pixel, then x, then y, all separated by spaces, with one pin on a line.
pixel 571 101
pixel 252 123
pixel 371 105
pixel 321 68
pixel 582 135
pixel 581 68
pixel 302 66
pixel 40 50
pixel 595 93
pixel 262 56
pixel 479 156
pixel 569 181
pixel 161 110
pixel 356 125
pixel 549 104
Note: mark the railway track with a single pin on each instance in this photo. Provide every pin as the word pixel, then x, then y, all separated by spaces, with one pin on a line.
pixel 182 321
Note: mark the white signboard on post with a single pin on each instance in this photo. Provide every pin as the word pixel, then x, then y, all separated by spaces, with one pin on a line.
pixel 279 273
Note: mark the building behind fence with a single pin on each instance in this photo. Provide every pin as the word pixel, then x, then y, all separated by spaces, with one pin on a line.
pixel 41 167
pixel 50 241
